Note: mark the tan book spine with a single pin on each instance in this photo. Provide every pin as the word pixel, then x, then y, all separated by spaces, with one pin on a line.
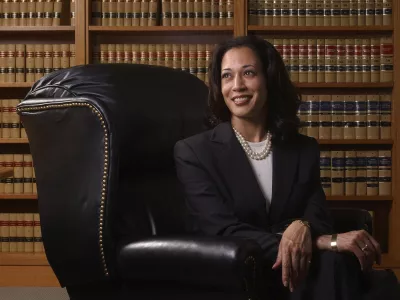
pixel 1 24
pixel 72 55
pixel 6 120
pixel 30 62
pixel 358 60
pixel 48 13
pixel 312 60
pixel 284 48
pixel 120 12
pixel 23 135
pixel 349 131
pixel 350 172
pixel 372 173
pixel 39 61
pixel 127 12
pixel 136 53
pixel 198 13
pixel 56 56
pixel 112 53
pixel 337 173
pixel 47 58
pixel 182 12
pixel 40 12
pixel 372 117
pixel 28 232
pixel 32 16
pixel 34 185
pixel 378 13
pixel 190 13
pixel 222 12
pixel 160 55
pixel 336 13
pixel 166 12
pixel 214 12
pixel 97 12
pixel 269 12
pixel 345 13
pixel 207 16
pixel 353 20
pixel 320 60
pixel 176 56
pixel 313 116
pixel 185 57
pixel 144 10
pixel 152 50
pixel 230 8
pixel 65 55
pixel 201 61
pixel 285 12
pixel 14 119
pixel 260 14
pixel 337 117
pixel 387 12
pixel 103 53
pixel 58 4
pixel 325 171
pixel 11 62
pixel 330 60
pixel 366 60
pixel 209 48
pixel 153 12
pixel 341 60
pixel 386 59
pixel 327 13
pixel 385 172
pixel 20 238
pixel 72 12
pixel 13 232
pixel 310 12
pixel 105 12
pixel 7 13
pixel 325 117
pixel 119 52
pixel 385 120
pixel 361 117
pixel 28 173
pixel 362 10
pixel 168 55
pixel 136 12
pixel 175 13
pixel 5 232
pixel 37 234
pixel 303 60
pixel 303 113
pixel 369 12
pixel 319 13
pixel 127 53
pixel 193 59
pixel 20 63
pixel 252 12
pixel 15 13
pixel 18 174
pixel 375 59
pixel 294 60
pixel 3 58
pixel 350 52
pixel 294 12
pixel 2 180
pixel 276 19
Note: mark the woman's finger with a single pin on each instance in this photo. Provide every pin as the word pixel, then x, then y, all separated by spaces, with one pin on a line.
pixel 360 255
pixel 286 266
pixel 378 253
pixel 278 261
pixel 295 255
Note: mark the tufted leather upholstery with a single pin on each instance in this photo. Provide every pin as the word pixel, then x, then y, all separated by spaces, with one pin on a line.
pixel 112 216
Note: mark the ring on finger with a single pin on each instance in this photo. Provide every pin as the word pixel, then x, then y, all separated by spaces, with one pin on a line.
pixel 364 248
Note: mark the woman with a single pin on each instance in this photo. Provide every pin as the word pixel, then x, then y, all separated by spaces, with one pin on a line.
pixel 254 172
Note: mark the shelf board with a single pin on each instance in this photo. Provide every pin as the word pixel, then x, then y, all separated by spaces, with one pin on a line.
pixel 310 29
pixel 160 28
pixel 18 196
pixel 355 142
pixel 359 198
pixel 16 84
pixel 23 259
pixel 14 141
pixel 45 29
pixel 345 85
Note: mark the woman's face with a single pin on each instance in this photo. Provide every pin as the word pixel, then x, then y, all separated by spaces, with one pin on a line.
pixel 243 84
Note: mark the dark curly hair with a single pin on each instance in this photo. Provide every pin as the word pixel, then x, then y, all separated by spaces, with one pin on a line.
pixel 283 98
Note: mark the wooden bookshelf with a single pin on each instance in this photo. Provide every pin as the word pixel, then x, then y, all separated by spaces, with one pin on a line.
pixel 14 141
pixel 36 29
pixel 16 85
pixel 18 197
pixel 23 259
pixel 359 198
pixel 372 85
pixel 192 29
pixel 322 29
pixel 355 142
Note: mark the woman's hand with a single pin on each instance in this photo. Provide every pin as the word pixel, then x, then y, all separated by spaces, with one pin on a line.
pixel 363 245
pixel 295 251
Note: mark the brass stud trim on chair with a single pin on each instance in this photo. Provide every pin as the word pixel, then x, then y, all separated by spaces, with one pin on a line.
pixel 104 178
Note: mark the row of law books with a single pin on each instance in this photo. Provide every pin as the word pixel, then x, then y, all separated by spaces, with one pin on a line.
pixel 354 172
pixel 10 124
pixel 30 62
pixel 366 116
pixel 192 58
pixel 23 180
pixel 162 12
pixel 20 233
pixel 320 12
pixel 35 12
pixel 361 59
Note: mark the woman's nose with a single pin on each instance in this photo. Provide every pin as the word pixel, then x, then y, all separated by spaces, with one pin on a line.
pixel 238 83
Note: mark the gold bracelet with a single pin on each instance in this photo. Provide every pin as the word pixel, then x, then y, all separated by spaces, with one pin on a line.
pixel 334 242
pixel 305 223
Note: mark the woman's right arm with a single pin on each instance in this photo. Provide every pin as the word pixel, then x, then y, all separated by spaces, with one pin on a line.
pixel 208 210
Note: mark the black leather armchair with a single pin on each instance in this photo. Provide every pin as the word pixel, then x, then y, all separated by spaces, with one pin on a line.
pixel 112 216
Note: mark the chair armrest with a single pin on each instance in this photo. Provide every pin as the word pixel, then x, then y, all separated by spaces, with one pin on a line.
pixel 219 262
pixel 348 219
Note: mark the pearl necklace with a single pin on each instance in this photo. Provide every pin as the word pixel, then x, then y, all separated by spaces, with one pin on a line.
pixel 252 154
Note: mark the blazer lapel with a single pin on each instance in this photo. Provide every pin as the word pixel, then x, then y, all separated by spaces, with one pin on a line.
pixel 237 171
pixel 285 160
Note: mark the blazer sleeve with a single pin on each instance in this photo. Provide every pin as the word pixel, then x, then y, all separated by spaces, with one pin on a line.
pixel 317 211
pixel 208 210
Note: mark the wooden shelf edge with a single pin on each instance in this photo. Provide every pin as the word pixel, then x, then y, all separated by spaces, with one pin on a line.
pixel 159 28
pixel 23 259
pixel 359 198
pixel 18 196
pixel 320 28
pixel 345 85
pixel 16 84
pixel 14 141
pixel 15 29
pixel 354 142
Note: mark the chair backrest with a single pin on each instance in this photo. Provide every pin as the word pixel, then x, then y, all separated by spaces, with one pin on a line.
pixel 102 138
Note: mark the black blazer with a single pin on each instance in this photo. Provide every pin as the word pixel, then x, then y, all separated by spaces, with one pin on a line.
pixel 223 196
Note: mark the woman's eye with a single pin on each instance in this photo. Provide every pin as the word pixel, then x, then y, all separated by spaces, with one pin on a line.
pixel 225 75
pixel 248 72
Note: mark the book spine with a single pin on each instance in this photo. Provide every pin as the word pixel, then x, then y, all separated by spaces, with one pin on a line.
pixel 336 13
pixel 350 53
pixel 37 234
pixel 330 60
pixel 40 13
pixel 385 172
pixel 27 170
pixel 320 60
pixel 325 171
pixel 313 116
pixel 341 60
pixel 337 173
pixel 360 117
pixel 385 120
pixel 201 61
pixel 14 119
pixel 48 13
pixel 369 12
pixel 144 12
pixel 13 232
pixel 303 60
pixel 190 12
pixel 327 13
pixel 350 173
pixel 127 53
pixel 303 113
pixel 20 63
pixel 207 16
pixel 366 60
pixel 48 58
pixel 169 59
pixel 378 13
pixel 198 13
pixel 353 20
pixel 276 19
pixel 312 60
pixel 387 12
pixel 11 62
pixel 285 12
pixel 386 74
pixel 302 13
pixel 72 12
pixel 136 12
pixel 294 60
pixel 222 12
pixel 32 16
pixel 310 12
pixel 39 61
pixel 372 117
pixel 28 232
pixel 325 117
pixel 362 9
pixel 294 12
pixel 372 173
pixel 20 232
pixel 5 232
pixel 252 12
pixel 345 13
pixel 349 132
pixel 337 117
pixel 358 60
